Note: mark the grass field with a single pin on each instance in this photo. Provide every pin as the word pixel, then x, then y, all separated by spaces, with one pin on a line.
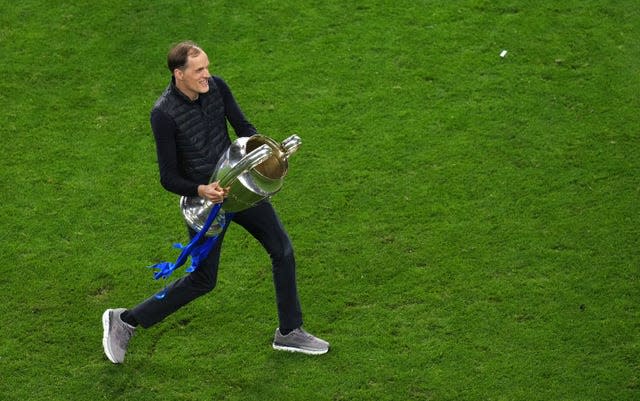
pixel 465 224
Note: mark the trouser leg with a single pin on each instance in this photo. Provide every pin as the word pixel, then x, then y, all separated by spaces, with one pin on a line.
pixel 183 290
pixel 262 222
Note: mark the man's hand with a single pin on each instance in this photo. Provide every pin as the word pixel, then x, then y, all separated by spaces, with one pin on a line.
pixel 213 192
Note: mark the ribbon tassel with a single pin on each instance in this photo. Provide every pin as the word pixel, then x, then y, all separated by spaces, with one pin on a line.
pixel 197 252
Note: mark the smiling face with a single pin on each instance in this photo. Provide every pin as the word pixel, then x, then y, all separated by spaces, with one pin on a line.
pixel 193 78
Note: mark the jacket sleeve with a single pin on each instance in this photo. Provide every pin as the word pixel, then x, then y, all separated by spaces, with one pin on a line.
pixel 233 113
pixel 164 132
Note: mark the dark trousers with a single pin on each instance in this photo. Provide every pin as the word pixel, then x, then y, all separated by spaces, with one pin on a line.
pixel 262 222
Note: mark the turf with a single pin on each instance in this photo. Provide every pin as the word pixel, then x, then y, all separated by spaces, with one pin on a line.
pixel 466 225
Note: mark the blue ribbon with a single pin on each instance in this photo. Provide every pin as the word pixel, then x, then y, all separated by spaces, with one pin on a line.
pixel 197 252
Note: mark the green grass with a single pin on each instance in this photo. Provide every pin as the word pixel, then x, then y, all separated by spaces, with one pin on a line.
pixel 466 225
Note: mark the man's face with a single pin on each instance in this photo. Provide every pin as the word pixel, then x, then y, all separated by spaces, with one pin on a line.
pixel 195 77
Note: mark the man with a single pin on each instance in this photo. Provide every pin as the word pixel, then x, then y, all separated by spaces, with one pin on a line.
pixel 189 123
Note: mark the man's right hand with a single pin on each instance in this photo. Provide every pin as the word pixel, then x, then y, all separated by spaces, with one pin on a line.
pixel 213 192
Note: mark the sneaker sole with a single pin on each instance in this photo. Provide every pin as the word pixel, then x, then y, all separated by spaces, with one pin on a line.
pixel 105 335
pixel 300 350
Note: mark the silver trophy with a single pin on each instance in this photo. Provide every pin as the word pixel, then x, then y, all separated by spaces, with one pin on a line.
pixel 254 167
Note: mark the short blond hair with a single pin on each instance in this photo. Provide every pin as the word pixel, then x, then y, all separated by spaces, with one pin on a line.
pixel 179 54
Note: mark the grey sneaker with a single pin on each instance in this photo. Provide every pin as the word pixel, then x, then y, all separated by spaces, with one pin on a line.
pixel 116 335
pixel 300 341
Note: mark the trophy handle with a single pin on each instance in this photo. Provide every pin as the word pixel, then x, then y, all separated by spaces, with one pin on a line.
pixel 250 161
pixel 290 145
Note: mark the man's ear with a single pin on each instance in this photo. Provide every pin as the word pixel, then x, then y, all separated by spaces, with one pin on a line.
pixel 178 73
